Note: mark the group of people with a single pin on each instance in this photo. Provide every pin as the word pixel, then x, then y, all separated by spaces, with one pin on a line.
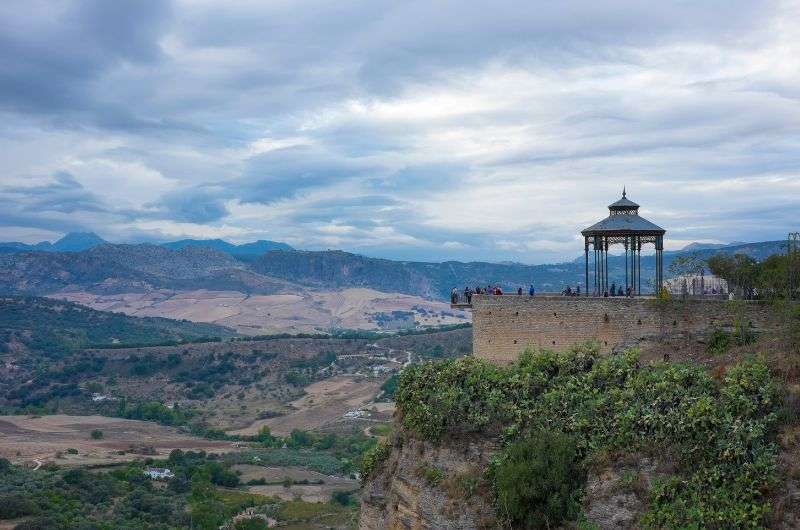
pixel 469 291
pixel 569 292
pixel 617 291
pixel 455 296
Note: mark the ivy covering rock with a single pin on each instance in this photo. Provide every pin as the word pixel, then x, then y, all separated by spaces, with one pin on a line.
pixel 719 434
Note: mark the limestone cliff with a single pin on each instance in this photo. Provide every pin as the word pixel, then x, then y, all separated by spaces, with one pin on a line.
pixel 422 486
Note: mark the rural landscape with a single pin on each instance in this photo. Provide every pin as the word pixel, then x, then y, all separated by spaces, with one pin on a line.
pixel 379 265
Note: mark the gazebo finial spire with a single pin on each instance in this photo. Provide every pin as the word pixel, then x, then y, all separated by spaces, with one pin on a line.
pixel 623 192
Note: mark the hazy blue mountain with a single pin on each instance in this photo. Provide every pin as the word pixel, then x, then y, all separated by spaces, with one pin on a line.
pixel 245 249
pixel 72 242
pixel 76 241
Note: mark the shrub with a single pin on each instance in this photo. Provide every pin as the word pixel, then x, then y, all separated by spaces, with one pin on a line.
pixel 253 523
pixel 719 342
pixel 96 434
pixel 373 458
pixel 13 505
pixel 343 498
pixel 537 481
pixel 433 476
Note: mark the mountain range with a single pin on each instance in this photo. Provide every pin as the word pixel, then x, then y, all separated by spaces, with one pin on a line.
pixel 190 265
pixel 78 241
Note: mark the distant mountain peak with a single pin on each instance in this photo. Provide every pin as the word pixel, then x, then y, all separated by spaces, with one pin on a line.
pixel 77 241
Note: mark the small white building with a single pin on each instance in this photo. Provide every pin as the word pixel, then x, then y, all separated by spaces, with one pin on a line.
pixel 158 473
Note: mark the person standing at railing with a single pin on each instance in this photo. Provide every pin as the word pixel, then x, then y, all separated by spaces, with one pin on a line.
pixel 454 296
pixel 531 291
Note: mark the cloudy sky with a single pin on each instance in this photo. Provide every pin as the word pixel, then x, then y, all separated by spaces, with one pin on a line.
pixel 408 129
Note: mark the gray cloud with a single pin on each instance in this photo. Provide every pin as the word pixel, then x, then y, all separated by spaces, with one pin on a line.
pixel 191 206
pixel 53 56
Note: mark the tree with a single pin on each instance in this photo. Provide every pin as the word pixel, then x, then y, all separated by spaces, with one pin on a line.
pixel 265 437
pixel 686 265
pixel 740 271
pixel 537 481
pixel 13 505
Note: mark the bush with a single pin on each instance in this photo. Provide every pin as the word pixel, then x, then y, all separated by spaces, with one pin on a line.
pixel 719 342
pixel 433 476
pixel 343 498
pixel 253 523
pixel 537 481
pixel 13 505
pixel 96 434
pixel 373 459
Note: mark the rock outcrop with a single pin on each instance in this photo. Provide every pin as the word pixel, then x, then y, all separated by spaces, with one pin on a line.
pixel 421 486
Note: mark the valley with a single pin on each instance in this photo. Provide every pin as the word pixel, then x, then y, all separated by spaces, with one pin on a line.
pixel 274 426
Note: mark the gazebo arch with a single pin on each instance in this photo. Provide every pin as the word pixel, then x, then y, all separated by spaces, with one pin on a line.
pixel 623 226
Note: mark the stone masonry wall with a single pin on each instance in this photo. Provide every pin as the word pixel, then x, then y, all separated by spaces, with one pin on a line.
pixel 503 326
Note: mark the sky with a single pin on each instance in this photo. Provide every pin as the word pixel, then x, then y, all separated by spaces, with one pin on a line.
pixel 408 129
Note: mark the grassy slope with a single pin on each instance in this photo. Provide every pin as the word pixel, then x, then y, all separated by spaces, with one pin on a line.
pixel 51 326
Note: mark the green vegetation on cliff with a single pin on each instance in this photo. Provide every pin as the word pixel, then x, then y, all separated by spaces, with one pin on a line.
pixel 719 434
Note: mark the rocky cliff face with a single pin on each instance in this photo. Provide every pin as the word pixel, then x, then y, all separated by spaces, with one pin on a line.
pixel 426 487
pixel 422 487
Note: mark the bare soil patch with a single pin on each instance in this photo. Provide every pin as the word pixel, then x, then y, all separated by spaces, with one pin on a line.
pixel 301 312
pixel 325 403
pixel 320 487
pixel 39 439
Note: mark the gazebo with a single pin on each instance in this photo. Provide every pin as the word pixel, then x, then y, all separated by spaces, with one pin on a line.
pixel 623 226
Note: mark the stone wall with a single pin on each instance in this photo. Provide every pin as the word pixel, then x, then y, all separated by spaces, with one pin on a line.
pixel 503 326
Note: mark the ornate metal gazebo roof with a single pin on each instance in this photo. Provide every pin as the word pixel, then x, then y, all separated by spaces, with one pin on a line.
pixel 624 220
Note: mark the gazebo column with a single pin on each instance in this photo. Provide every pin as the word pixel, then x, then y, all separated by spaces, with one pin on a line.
pixel 633 265
pixel 626 264
pixel 586 269
pixel 659 263
pixel 605 265
pixel 639 265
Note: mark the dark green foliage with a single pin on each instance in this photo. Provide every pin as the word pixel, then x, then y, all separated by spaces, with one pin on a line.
pixel 151 411
pixel 13 505
pixel 721 434
pixel 251 524
pixel 96 434
pixel 719 342
pixel 297 378
pixel 537 481
pixel 38 523
pixel 769 279
pixel 374 458
pixel 344 498
pixel 432 476
pixel 315 362
pixel 389 387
